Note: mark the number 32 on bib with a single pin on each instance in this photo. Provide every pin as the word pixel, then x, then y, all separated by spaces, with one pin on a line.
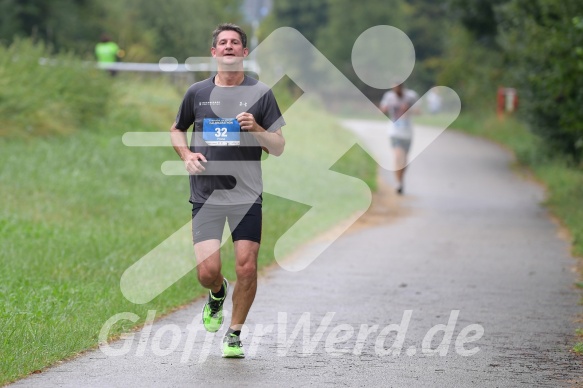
pixel 221 132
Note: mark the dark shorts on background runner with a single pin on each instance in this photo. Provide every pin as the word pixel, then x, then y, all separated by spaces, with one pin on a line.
pixel 404 144
pixel 208 222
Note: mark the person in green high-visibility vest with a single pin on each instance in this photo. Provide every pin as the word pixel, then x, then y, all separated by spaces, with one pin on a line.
pixel 107 51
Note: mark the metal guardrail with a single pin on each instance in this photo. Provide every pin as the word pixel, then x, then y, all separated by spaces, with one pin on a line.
pixel 165 65
pixel 191 65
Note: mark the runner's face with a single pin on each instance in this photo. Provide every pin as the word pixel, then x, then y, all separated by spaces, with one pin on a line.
pixel 229 47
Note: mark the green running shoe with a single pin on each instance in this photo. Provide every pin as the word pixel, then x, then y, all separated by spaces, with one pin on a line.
pixel 212 312
pixel 232 347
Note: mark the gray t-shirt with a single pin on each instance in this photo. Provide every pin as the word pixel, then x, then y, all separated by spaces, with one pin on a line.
pixel 233 170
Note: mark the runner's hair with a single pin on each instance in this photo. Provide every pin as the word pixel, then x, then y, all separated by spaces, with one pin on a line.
pixel 229 27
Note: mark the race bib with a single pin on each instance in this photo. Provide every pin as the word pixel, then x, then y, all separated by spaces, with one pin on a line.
pixel 221 132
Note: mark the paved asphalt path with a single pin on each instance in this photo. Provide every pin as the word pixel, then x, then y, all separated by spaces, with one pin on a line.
pixel 469 282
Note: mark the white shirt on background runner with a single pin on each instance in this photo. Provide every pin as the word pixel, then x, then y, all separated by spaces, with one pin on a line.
pixel 402 127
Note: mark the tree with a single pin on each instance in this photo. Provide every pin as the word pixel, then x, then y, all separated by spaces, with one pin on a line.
pixel 147 30
pixel 544 41
pixel 333 26
pixel 478 17
pixel 426 24
pixel 346 23
pixel 182 28
pixel 62 24
pixel 306 16
pixel 472 70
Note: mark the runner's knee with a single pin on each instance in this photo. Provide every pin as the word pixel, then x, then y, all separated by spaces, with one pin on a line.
pixel 246 270
pixel 207 275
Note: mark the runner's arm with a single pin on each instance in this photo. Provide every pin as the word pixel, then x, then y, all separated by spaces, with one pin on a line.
pixel 180 144
pixel 272 142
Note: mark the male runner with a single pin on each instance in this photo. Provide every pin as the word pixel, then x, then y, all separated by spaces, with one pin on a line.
pixel 235 117
pixel 397 102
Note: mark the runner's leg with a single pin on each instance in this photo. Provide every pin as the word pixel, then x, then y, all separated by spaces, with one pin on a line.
pixel 246 253
pixel 208 264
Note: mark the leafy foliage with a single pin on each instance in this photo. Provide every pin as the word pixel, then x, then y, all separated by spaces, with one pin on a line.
pixel 41 95
pixel 426 23
pixel 544 40
pixel 333 26
pixel 182 28
pixel 306 16
pixel 474 71
pixel 534 46
pixel 63 24
pixel 146 30
pixel 478 17
pixel 473 46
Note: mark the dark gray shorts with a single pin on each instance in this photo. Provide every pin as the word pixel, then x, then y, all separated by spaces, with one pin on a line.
pixel 404 144
pixel 208 222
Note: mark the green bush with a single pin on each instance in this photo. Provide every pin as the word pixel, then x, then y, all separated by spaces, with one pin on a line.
pixel 544 41
pixel 473 70
pixel 42 94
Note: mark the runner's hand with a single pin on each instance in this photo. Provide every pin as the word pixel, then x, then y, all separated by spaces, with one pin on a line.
pixel 193 163
pixel 248 123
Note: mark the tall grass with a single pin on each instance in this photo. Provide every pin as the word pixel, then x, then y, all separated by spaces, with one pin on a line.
pixel 78 207
pixel 42 94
